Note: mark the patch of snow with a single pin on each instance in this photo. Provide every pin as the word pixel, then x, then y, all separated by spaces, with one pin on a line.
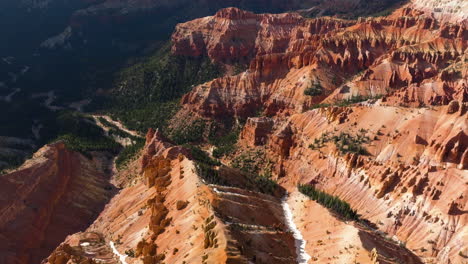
pixel 216 190
pixel 116 252
pixel 302 256
pixel 85 244
pixel 117 124
pixel 58 40
pixel 49 100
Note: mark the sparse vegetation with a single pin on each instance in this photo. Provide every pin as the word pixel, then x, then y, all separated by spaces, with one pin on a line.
pixel 251 162
pixel 209 174
pixel 226 144
pixel 150 89
pixel 344 142
pixel 191 133
pixel 347 102
pixel 80 133
pixel 201 156
pixel 331 202
pixel 315 89
pixel 240 68
pixel 130 253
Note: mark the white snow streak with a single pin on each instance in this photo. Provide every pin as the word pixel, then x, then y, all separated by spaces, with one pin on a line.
pixel 302 256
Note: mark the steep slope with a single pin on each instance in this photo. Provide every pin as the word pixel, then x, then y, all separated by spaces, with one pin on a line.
pixel 172 214
pixel 332 240
pixel 411 184
pixel 372 110
pixel 175 213
pixel 447 10
pixel 54 194
pixel 395 56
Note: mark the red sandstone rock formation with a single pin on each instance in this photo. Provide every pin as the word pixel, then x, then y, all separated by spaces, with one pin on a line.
pixel 412 181
pixel 408 180
pixel 410 58
pixel 217 224
pixel 56 193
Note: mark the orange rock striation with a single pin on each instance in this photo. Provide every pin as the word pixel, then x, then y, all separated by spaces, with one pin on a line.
pixel 56 193
pixel 399 157
pixel 410 58
pixel 410 181
pixel 171 215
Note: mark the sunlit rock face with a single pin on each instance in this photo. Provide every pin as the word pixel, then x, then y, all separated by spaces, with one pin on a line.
pixel 54 194
pixel 410 72
pixel 372 110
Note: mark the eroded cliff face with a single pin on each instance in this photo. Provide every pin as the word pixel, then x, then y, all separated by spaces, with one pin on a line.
pixel 409 178
pixel 411 58
pixel 411 183
pixel 54 194
pixel 171 215
pixel 447 10
pixel 398 157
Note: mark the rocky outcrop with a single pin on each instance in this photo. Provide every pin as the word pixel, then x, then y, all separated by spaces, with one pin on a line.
pixel 56 193
pixel 172 215
pixel 233 35
pixel 410 184
pixel 370 142
pixel 256 131
pixel 410 58
pixel 446 10
pixel 331 93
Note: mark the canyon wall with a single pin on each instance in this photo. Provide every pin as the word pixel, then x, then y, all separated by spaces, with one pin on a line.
pixel 56 193
pixel 384 128
pixel 412 59
pixel 372 110
pixel 171 213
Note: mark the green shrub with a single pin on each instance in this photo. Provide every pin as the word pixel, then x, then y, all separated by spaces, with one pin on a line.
pixel 344 142
pixel 315 89
pixel 262 184
pixel 150 90
pixel 225 145
pixel 347 102
pixel 331 202
pixel 86 144
pixel 201 156
pixel 209 174
pixel 80 133
pixel 191 133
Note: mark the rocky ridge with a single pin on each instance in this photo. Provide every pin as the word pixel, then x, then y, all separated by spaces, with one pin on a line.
pixel 171 214
pixel 396 56
pixel 398 156
pixel 56 193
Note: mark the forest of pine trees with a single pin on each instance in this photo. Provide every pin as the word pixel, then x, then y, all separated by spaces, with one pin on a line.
pixel 331 202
